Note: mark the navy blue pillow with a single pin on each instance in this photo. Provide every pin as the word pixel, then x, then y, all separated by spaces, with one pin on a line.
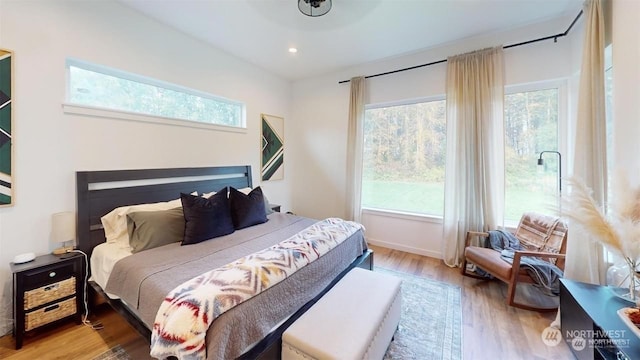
pixel 247 210
pixel 206 218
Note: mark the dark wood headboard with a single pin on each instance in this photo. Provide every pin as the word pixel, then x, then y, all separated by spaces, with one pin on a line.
pixel 99 192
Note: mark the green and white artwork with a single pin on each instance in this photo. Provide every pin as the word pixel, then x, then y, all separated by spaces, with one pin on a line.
pixel 272 147
pixel 6 194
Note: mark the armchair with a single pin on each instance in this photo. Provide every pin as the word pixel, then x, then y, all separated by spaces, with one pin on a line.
pixel 542 236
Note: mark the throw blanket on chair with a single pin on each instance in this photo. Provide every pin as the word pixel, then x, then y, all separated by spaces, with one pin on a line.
pixel 188 310
pixel 544 273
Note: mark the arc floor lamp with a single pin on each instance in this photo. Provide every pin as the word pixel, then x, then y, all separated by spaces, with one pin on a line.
pixel 541 162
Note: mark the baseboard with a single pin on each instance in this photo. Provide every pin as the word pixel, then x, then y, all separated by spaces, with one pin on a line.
pixel 409 249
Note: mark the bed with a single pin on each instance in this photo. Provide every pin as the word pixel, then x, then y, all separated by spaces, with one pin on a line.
pixel 252 329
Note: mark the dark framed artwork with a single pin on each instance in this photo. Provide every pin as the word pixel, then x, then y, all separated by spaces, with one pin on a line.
pixel 6 128
pixel 272 147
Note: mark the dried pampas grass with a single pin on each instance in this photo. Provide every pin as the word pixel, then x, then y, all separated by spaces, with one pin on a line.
pixel 619 231
pixel 626 199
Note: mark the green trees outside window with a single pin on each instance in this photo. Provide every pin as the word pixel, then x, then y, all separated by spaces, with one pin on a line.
pixel 404 155
pixel 115 90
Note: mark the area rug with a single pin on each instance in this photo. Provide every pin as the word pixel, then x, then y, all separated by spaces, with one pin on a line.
pixel 430 323
pixel 115 353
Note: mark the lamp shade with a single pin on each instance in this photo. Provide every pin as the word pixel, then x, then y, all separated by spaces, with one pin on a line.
pixel 314 8
pixel 63 226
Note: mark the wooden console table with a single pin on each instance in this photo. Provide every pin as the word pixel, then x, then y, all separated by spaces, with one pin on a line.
pixel 589 312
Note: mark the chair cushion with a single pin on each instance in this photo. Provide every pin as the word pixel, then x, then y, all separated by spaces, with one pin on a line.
pixel 489 260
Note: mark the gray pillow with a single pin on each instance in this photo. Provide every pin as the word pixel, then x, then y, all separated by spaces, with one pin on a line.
pixel 151 229
pixel 267 206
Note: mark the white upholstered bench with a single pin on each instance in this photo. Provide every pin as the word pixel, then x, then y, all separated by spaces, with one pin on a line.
pixel 356 319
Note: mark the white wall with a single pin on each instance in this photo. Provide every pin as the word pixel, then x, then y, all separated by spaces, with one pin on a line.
pixel 320 107
pixel 50 145
pixel 625 39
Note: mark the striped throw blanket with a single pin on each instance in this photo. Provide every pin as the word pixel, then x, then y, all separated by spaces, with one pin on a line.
pixel 188 310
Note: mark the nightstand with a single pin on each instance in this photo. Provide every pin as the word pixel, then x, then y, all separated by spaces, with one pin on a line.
pixel 45 291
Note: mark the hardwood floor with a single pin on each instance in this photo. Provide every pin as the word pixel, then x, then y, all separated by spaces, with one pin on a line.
pixel 71 341
pixel 491 329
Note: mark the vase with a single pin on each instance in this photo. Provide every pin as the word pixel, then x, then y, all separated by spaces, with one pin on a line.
pixel 624 281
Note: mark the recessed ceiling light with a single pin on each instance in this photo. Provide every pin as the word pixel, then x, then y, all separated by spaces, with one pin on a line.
pixel 293 50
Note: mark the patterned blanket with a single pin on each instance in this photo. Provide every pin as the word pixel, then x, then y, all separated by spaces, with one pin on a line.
pixel 188 310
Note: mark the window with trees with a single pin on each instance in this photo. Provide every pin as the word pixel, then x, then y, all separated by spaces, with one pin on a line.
pixel 100 87
pixel 404 157
pixel 404 154
pixel 531 126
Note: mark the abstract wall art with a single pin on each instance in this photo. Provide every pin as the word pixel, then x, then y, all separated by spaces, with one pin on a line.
pixel 272 147
pixel 6 142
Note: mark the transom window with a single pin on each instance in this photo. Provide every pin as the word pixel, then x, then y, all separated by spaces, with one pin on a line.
pixel 97 86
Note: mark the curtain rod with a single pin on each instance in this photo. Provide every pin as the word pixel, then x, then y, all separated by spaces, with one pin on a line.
pixel 554 37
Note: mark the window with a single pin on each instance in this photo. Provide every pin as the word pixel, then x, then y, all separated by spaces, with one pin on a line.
pixel 531 126
pixel 404 158
pixel 96 86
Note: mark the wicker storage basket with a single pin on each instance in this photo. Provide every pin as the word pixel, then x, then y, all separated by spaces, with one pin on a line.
pixel 42 295
pixel 49 314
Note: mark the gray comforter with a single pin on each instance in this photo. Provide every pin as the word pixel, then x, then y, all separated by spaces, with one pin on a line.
pixel 143 280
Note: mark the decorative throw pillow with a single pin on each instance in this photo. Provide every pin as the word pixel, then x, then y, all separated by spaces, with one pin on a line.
pixel 150 229
pixel 267 206
pixel 247 210
pixel 206 218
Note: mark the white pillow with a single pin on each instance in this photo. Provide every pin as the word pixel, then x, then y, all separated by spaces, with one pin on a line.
pixel 115 222
pixel 246 190
pixel 208 195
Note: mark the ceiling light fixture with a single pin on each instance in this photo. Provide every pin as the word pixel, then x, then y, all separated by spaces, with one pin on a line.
pixel 293 50
pixel 314 8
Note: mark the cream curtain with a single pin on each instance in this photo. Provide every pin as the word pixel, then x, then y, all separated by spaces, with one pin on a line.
pixel 585 260
pixel 474 185
pixel 354 148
